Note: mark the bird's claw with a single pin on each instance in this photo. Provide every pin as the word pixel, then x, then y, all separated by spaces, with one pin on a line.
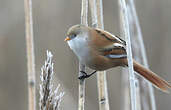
pixel 85 75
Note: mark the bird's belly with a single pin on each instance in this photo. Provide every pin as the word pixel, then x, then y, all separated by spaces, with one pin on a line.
pixel 100 63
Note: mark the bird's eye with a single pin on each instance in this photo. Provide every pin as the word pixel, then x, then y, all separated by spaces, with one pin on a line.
pixel 73 36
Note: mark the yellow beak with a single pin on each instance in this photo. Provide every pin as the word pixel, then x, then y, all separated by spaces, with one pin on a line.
pixel 67 39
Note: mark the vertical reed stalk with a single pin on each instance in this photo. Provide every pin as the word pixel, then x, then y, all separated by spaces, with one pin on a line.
pixel 140 55
pixel 30 55
pixel 84 17
pixel 126 34
pixel 97 21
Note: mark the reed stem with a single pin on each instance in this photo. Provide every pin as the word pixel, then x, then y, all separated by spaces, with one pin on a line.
pixel 30 55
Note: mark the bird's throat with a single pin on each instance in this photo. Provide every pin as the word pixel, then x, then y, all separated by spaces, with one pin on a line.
pixel 79 45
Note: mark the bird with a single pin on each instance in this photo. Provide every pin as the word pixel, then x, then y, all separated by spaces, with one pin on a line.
pixel 100 50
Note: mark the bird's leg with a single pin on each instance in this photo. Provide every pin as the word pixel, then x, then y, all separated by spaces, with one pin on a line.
pixel 85 75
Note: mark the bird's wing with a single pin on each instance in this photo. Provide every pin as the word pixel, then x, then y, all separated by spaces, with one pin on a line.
pixel 110 36
pixel 108 44
pixel 100 38
pixel 114 51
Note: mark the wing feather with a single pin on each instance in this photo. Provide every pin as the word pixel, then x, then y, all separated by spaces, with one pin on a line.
pixel 110 36
pixel 118 51
pixel 107 44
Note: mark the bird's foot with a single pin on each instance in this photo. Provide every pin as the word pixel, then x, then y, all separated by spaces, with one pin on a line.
pixel 85 75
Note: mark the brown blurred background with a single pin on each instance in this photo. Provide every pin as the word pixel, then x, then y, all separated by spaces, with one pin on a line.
pixel 52 18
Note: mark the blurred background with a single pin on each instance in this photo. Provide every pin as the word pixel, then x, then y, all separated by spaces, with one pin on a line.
pixel 52 18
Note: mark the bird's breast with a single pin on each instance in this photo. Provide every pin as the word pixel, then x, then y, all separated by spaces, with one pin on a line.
pixel 80 47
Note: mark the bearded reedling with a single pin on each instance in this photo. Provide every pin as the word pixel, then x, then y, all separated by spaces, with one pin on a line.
pixel 101 50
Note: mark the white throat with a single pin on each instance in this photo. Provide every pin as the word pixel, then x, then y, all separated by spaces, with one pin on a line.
pixel 80 46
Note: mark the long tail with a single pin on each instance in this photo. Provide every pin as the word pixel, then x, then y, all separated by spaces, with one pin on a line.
pixel 151 76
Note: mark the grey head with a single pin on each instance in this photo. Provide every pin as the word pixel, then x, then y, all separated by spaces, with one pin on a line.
pixel 77 37
pixel 76 31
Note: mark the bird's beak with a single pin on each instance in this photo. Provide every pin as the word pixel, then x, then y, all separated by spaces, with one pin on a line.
pixel 67 39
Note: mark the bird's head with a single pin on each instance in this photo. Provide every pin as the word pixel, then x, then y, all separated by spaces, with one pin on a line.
pixel 75 31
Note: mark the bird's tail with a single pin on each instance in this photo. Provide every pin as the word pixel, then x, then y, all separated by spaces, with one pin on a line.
pixel 151 76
